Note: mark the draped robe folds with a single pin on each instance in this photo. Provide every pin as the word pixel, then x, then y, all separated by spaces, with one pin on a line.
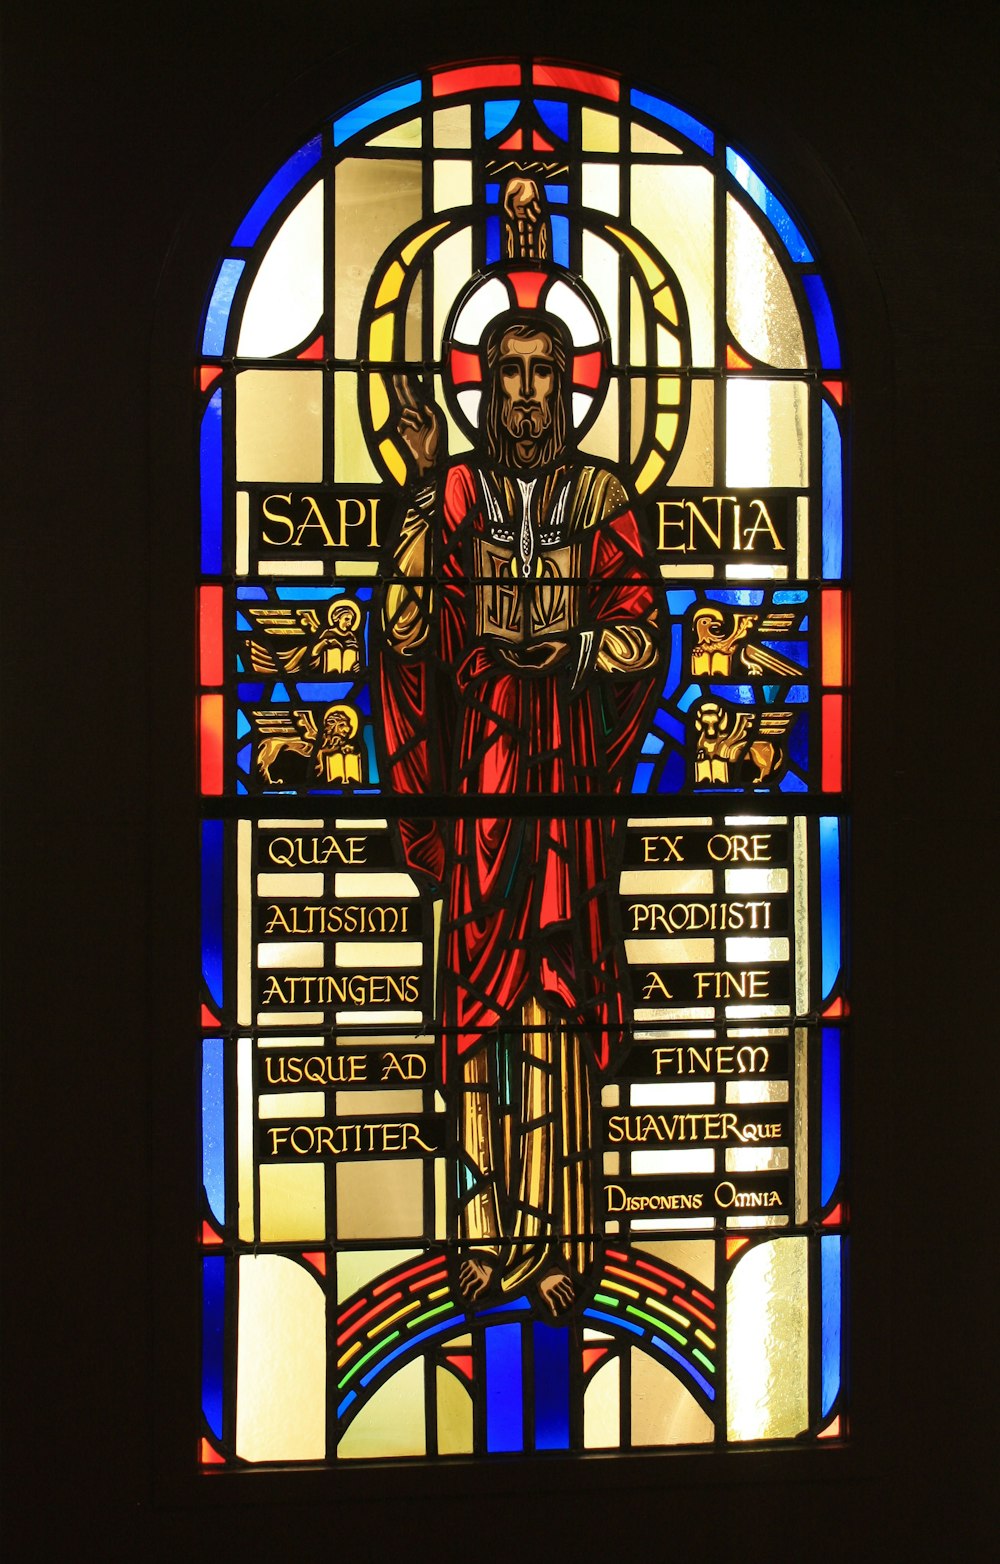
pixel 526 897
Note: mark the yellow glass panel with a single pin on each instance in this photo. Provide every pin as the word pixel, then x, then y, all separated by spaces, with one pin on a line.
pixel 601 1408
pixel 366 953
pixel 292 1202
pixel 415 245
pixel 380 338
pixel 600 271
pixel 279 426
pixel 638 416
pixel 376 199
pixel 356 1103
pixel 244 922
pixel 661 882
pixel 440 1197
pixel 801 1110
pixel 800 904
pixel 394 461
pixel 599 132
pixel 759 303
pixel 452 183
pixel 452 269
pixel 666 429
pixel 654 466
pixel 644 140
pixel 357 1267
pixel 601 187
pixel 453 127
pixel 767 433
pixel 767 1320
pixel 286 300
pixel 242 537
pixel 287 1105
pixel 602 438
pixel 668 390
pixel 802 537
pixel 650 271
pixel 454 1415
pixel 667 952
pixel 281 1362
pixel 663 1411
pixel 244 1140
pixel 380 1199
pixel 390 285
pixel 352 462
pixel 637 325
pixel 696 463
pixel 290 953
pixel 393 1422
pixel 666 304
pixel 405 135
pixel 674 206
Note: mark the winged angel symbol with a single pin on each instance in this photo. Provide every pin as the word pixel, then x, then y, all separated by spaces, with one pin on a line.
pixel 293 641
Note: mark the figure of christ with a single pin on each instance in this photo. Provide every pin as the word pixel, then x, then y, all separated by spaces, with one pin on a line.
pixel 519 658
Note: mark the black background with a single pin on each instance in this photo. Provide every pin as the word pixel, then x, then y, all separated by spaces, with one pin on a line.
pixel 135 137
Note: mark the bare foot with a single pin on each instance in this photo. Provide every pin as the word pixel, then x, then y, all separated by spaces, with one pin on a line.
pixel 474 1277
pixel 557 1292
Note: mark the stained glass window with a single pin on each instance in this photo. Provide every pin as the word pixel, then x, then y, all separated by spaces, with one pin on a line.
pixel 524 659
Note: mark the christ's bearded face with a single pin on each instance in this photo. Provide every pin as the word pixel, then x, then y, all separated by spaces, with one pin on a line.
pixel 527 381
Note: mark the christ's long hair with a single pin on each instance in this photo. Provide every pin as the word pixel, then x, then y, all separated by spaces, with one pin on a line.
pixel 499 440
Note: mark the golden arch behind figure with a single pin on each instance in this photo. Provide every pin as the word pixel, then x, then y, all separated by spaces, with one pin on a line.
pixel 666 333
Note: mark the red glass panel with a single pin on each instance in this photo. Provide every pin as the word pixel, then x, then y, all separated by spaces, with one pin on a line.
pixel 592 1355
pixel 209 1456
pixel 465 366
pixel 736 360
pixel 316 1258
pixel 513 143
pixel 210 634
pixel 207 1018
pixel 527 286
pixel 836 390
pixel 539 143
pixel 833 746
pixel 211 744
pixel 570 80
pixel 467 77
pixel 207 374
pixel 209 1234
pixel 314 350
pixel 587 369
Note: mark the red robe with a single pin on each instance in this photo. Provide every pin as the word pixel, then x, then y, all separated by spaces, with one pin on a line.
pixel 527 909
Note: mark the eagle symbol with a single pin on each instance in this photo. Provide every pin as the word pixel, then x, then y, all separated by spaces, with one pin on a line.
pixel 714 647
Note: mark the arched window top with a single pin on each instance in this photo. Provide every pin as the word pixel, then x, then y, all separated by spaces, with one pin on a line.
pixel 522 417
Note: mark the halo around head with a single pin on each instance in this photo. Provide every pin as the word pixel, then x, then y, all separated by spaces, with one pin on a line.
pixel 526 292
pixel 340 710
pixel 344 605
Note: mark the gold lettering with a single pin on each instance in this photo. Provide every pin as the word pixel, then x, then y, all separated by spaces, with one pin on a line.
pixel 761 523
pixel 285 521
